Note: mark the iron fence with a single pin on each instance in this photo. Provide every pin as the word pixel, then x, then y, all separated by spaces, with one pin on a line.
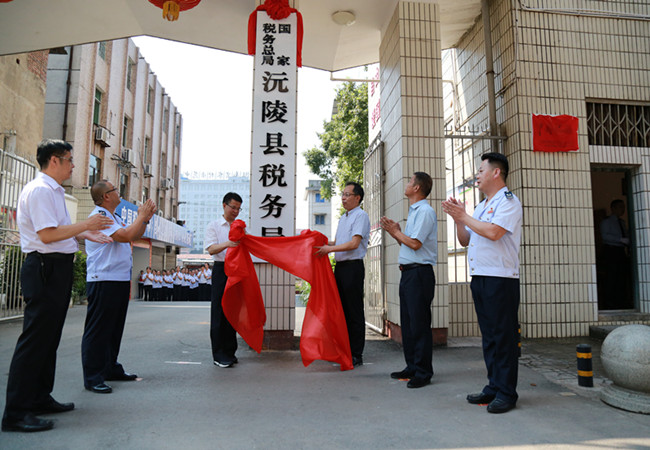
pixel 15 172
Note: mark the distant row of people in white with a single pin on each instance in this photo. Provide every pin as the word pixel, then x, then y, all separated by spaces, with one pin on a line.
pixel 180 284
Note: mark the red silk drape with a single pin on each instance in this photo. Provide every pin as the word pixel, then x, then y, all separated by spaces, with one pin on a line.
pixel 324 332
pixel 276 9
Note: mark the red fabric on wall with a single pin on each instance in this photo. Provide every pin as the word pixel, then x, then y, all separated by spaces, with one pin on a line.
pixel 324 332
pixel 555 133
pixel 276 9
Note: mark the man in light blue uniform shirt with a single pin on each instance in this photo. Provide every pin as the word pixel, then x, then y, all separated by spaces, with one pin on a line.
pixel 417 255
pixel 493 235
pixel 350 245
pixel 108 285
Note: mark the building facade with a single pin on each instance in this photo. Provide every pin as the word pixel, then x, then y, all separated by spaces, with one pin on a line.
pixel 201 200
pixel 588 63
pixel 319 210
pixel 106 101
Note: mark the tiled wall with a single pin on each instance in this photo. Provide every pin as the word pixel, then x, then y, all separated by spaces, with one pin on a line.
pixel 278 291
pixel 411 114
pixel 552 62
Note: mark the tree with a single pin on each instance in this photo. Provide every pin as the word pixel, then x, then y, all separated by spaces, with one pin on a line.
pixel 343 141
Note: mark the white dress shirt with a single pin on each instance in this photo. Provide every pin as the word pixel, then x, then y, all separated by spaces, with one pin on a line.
pixel 217 233
pixel 42 205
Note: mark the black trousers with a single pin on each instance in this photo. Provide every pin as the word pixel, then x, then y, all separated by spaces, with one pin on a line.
pixel 46 281
pixel 177 292
pixel 416 291
pixel 108 302
pixel 140 290
pixel 349 276
pixel 222 335
pixel 185 293
pixel 204 292
pixel 147 293
pixel 496 301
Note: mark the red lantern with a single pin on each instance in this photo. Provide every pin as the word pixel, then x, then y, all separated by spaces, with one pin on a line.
pixel 172 8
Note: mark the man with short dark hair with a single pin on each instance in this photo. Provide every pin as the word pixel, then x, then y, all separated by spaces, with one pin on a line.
pixel 493 235
pixel 108 287
pixel 47 236
pixel 222 335
pixel 417 255
pixel 350 245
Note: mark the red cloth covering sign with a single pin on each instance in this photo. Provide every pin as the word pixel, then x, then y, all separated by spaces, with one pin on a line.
pixel 277 10
pixel 555 133
pixel 324 332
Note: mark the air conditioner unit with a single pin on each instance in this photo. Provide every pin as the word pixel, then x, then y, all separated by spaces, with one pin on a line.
pixel 127 155
pixel 102 135
pixel 170 183
pixel 147 170
pixel 165 183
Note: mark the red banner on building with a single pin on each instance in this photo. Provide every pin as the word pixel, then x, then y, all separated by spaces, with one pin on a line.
pixel 555 133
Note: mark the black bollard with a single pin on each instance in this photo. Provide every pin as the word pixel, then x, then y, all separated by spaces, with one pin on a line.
pixel 585 369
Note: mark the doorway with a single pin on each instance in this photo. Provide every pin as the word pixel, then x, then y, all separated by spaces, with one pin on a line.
pixel 614 237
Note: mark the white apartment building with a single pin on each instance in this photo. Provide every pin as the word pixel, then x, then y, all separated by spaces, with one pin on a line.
pixel 104 99
pixel 319 209
pixel 201 200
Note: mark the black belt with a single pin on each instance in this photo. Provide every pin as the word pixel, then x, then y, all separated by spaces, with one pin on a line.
pixel 219 263
pixel 405 267
pixel 338 263
pixel 59 256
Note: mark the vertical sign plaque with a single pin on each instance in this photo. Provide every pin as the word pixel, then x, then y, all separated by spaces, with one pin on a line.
pixel 273 144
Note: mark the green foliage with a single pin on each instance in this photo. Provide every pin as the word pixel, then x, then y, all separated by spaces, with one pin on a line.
pixel 79 276
pixel 304 289
pixel 343 141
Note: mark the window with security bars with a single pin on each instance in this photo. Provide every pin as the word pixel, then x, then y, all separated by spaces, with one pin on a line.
pixel 618 125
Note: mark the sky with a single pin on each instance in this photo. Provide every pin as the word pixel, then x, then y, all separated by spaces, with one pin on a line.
pixel 212 89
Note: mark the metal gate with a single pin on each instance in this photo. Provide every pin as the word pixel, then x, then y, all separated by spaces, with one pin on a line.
pixel 373 204
pixel 15 172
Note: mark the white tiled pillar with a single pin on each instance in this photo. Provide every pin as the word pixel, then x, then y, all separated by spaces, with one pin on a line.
pixel 412 130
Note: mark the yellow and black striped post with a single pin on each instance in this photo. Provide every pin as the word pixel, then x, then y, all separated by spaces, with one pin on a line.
pixel 585 369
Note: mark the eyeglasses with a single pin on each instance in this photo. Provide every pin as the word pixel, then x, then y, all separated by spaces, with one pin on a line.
pixel 66 158
pixel 348 194
pixel 110 190
pixel 235 208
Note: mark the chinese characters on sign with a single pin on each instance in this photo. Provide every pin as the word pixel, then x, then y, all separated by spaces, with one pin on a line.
pixel 273 147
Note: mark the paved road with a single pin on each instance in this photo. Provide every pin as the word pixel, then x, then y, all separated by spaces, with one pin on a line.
pixel 271 401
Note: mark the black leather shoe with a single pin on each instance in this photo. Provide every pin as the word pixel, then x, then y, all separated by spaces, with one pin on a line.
pixel 101 388
pixel 123 377
pixel 357 361
pixel 416 382
pixel 402 375
pixel 480 398
pixel 29 423
pixel 499 406
pixel 52 407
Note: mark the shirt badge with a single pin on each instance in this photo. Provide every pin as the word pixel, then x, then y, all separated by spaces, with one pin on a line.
pixel 508 195
pixel 491 210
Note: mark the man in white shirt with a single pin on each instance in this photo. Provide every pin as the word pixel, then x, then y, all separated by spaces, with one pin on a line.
pixel 47 236
pixel 108 287
pixel 222 335
pixel 350 245
pixel 493 235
